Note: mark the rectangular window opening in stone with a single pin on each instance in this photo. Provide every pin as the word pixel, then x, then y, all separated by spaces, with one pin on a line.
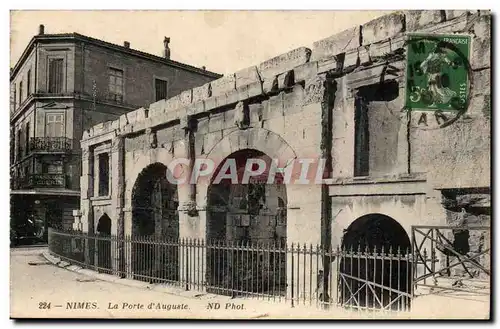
pixel 115 85
pixel 54 126
pixel 161 89
pixel 361 139
pixel 55 76
pixel 377 126
pixel 103 174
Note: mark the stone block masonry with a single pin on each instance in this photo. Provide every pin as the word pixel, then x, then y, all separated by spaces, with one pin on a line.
pixel 311 103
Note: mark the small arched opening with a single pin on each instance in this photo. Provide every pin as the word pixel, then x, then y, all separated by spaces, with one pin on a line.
pixel 375 269
pixel 104 244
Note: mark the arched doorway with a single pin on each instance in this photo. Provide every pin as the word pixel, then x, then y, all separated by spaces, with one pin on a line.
pixel 104 244
pixel 375 270
pixel 246 216
pixel 155 219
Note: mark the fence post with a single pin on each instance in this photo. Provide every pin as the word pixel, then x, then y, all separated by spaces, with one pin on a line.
pixel 292 278
pixel 414 262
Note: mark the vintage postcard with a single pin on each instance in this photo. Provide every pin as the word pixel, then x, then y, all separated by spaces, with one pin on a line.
pixel 250 164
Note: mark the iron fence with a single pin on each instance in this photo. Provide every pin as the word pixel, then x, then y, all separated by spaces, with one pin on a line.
pixel 452 258
pixel 298 274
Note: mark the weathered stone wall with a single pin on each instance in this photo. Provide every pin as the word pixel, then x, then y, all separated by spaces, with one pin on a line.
pixel 301 104
pixel 401 149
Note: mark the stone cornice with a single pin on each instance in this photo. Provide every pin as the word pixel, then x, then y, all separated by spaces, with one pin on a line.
pixel 373 56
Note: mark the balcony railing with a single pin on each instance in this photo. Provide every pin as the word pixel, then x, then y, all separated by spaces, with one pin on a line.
pixel 39 180
pixel 50 144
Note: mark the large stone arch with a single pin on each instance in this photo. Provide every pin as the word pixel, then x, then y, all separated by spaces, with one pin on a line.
pixel 260 139
pixel 136 161
pixel 246 213
pixel 154 215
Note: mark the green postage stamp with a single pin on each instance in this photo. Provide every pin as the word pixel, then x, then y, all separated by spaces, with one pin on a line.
pixel 437 76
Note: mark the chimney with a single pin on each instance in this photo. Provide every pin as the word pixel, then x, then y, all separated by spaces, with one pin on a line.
pixel 126 44
pixel 166 49
pixel 203 68
pixel 41 29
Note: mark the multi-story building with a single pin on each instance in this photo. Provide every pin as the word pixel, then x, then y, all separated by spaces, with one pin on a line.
pixel 61 85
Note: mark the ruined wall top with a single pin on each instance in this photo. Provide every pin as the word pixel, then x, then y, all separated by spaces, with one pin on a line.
pixel 350 50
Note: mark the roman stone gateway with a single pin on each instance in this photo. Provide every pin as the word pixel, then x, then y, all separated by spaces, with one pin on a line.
pixel 341 102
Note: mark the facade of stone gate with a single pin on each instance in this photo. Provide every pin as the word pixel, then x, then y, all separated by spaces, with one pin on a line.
pixel 341 101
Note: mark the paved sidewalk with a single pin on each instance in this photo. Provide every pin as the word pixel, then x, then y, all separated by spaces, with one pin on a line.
pixel 79 293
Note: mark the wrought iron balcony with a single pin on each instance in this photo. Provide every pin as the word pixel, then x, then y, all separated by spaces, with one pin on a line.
pixel 50 144
pixel 39 181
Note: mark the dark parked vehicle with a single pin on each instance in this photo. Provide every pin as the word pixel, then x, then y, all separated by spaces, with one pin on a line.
pixel 28 232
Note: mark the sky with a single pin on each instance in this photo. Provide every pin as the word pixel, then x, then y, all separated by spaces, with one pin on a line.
pixel 223 41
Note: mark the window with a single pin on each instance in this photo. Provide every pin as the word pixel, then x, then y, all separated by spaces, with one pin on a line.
pixel 52 168
pixel 103 174
pixel 15 98
pixel 12 145
pixel 54 125
pixel 161 89
pixel 376 130
pixel 116 85
pixel 361 139
pixel 27 138
pixel 18 144
pixel 56 76
pixel 28 86
pixel 20 92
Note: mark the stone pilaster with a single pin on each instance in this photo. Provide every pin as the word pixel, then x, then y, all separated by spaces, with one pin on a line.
pixel 117 200
pixel 86 180
pixel 127 248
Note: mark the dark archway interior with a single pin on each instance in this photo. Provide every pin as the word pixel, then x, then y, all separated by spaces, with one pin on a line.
pixel 104 225
pixel 247 214
pixel 375 231
pixel 375 267
pixel 104 245
pixel 155 218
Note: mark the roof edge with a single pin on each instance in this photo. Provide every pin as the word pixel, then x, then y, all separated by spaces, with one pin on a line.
pixel 106 44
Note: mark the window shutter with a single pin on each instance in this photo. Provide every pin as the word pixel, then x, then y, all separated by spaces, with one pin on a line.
pixel 55 76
